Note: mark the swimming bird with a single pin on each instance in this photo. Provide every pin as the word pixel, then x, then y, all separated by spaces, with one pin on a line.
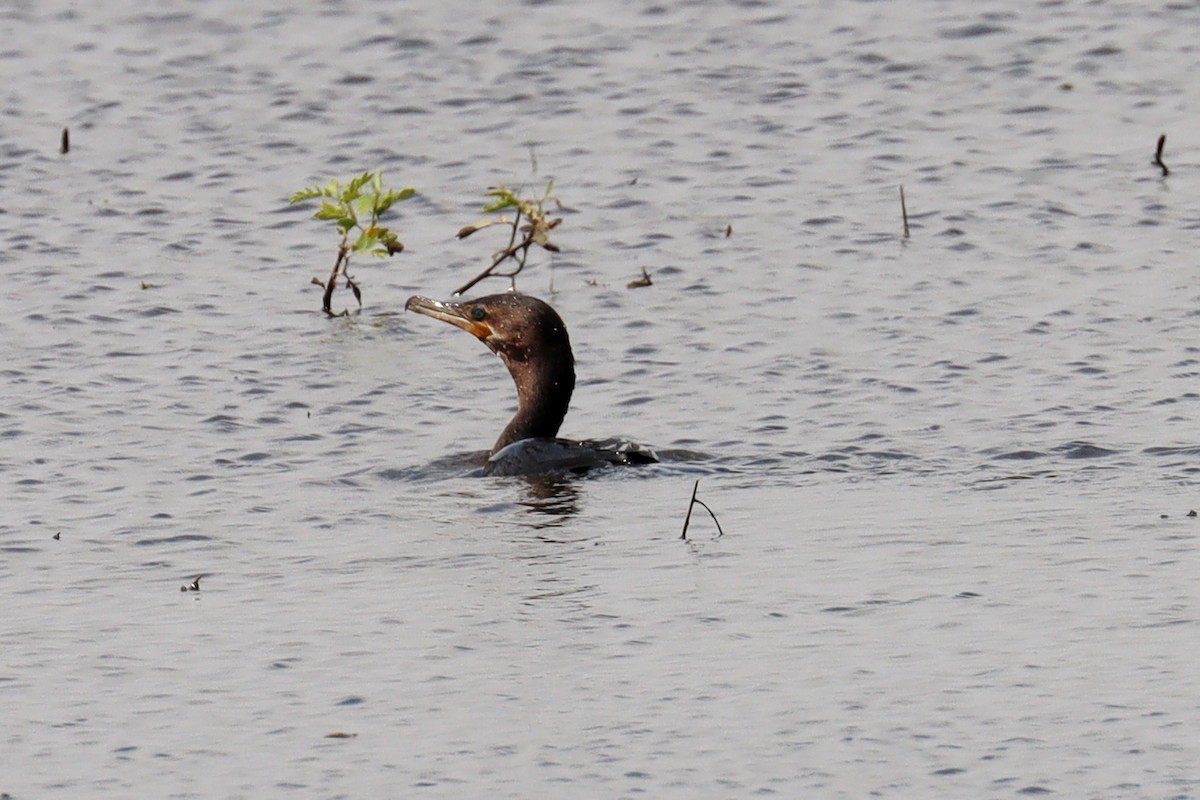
pixel 530 338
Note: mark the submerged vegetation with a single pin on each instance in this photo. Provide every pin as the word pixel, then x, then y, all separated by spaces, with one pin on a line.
pixel 355 206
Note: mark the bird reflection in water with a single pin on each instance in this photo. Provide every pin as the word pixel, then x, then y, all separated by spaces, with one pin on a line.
pixel 554 496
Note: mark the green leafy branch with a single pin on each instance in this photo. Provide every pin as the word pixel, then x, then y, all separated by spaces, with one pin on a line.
pixel 356 206
pixel 528 226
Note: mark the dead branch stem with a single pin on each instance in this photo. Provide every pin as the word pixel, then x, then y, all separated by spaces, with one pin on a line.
pixel 702 504
pixel 1162 141
pixel 518 251
pixel 339 268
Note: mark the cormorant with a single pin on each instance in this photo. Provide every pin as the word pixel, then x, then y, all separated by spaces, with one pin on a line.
pixel 531 340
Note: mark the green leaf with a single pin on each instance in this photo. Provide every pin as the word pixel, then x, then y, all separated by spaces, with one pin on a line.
pixel 364 207
pixel 367 241
pixel 501 203
pixel 385 201
pixel 307 193
pixel 331 211
pixel 377 182
pixel 354 189
pixel 505 198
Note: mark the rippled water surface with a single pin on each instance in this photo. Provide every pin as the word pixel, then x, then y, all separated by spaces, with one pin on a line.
pixel 954 471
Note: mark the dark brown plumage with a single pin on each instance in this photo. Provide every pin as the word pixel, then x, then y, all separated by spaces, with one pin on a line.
pixel 530 338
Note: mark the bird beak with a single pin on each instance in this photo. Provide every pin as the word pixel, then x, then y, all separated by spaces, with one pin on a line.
pixel 453 313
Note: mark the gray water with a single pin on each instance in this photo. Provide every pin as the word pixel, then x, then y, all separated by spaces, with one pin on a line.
pixel 953 470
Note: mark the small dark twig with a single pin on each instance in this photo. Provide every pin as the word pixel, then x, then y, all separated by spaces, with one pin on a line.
pixel 714 517
pixel 904 211
pixel 339 268
pixel 66 142
pixel 701 503
pixel 688 518
pixel 514 248
pixel 1162 140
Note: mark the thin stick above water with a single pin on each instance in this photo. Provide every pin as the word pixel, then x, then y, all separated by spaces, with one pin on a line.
pixel 703 505
pixel 1162 141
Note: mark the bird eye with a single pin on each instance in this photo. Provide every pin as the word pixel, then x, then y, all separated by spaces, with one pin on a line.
pixel 479 314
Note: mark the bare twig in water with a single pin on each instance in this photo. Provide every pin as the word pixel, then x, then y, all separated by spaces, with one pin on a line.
pixel 728 231
pixel 640 282
pixel 66 142
pixel 339 268
pixel 904 211
pixel 688 518
pixel 1162 140
pixel 696 502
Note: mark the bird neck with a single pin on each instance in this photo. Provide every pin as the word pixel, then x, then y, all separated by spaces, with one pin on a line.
pixel 544 386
